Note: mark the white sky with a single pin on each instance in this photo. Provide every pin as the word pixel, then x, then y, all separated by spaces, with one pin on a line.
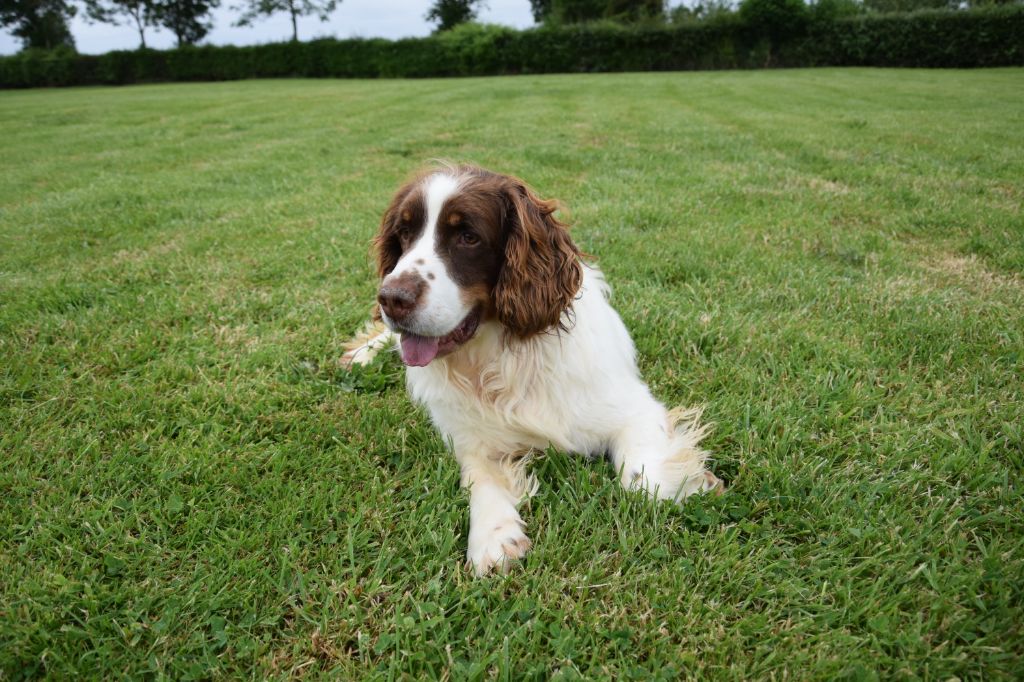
pixel 352 18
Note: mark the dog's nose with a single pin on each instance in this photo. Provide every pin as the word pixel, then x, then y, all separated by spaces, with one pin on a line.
pixel 396 301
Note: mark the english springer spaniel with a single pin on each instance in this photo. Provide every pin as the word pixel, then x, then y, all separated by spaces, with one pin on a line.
pixel 511 345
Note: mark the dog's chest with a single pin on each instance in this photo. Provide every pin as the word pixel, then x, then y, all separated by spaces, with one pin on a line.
pixel 492 402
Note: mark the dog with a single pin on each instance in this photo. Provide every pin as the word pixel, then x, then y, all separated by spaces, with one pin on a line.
pixel 512 345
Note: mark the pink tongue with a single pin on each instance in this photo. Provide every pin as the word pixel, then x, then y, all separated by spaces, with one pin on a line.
pixel 418 351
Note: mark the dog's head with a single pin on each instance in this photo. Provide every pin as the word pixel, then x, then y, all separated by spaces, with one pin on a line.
pixel 460 246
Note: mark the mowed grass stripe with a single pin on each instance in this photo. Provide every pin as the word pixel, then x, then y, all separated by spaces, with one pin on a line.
pixel 831 261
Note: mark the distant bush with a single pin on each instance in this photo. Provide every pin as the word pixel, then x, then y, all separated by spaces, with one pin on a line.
pixel 825 37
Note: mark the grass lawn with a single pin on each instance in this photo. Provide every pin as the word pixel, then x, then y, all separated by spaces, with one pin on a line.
pixel 831 261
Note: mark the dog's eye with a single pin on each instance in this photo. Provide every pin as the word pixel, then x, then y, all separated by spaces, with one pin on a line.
pixel 404 232
pixel 467 238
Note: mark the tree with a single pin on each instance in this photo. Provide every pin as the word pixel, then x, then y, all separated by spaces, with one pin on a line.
pixel 830 10
pixel 577 11
pixel 296 8
pixel 188 20
pixel 119 12
pixel 541 10
pixel 703 10
pixel 635 10
pixel 38 23
pixel 448 14
pixel 775 21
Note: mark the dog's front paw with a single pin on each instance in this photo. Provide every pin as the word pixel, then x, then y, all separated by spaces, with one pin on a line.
pixel 361 355
pixel 363 348
pixel 497 547
pixel 712 484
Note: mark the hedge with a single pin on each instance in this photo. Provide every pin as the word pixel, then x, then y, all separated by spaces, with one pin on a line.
pixel 935 39
pixel 974 38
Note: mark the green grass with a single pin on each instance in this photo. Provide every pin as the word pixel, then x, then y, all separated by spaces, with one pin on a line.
pixel 831 261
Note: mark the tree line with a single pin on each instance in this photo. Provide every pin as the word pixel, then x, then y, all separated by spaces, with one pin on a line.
pixel 44 23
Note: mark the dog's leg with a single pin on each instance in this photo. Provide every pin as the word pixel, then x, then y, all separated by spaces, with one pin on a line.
pixel 658 451
pixel 496 531
pixel 363 348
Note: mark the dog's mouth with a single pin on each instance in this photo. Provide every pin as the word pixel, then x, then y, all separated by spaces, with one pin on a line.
pixel 419 351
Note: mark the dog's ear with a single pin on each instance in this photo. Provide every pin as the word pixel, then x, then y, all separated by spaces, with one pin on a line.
pixel 542 271
pixel 386 244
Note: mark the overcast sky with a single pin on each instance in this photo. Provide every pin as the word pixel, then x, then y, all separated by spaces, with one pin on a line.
pixel 362 18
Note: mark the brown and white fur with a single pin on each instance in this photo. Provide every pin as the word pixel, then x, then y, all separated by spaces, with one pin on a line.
pixel 512 345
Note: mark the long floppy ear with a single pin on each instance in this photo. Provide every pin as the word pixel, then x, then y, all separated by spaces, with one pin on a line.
pixel 542 272
pixel 386 245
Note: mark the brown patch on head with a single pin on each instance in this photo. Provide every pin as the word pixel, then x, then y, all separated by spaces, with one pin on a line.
pixel 400 226
pixel 478 296
pixel 471 233
pixel 500 243
pixel 503 246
